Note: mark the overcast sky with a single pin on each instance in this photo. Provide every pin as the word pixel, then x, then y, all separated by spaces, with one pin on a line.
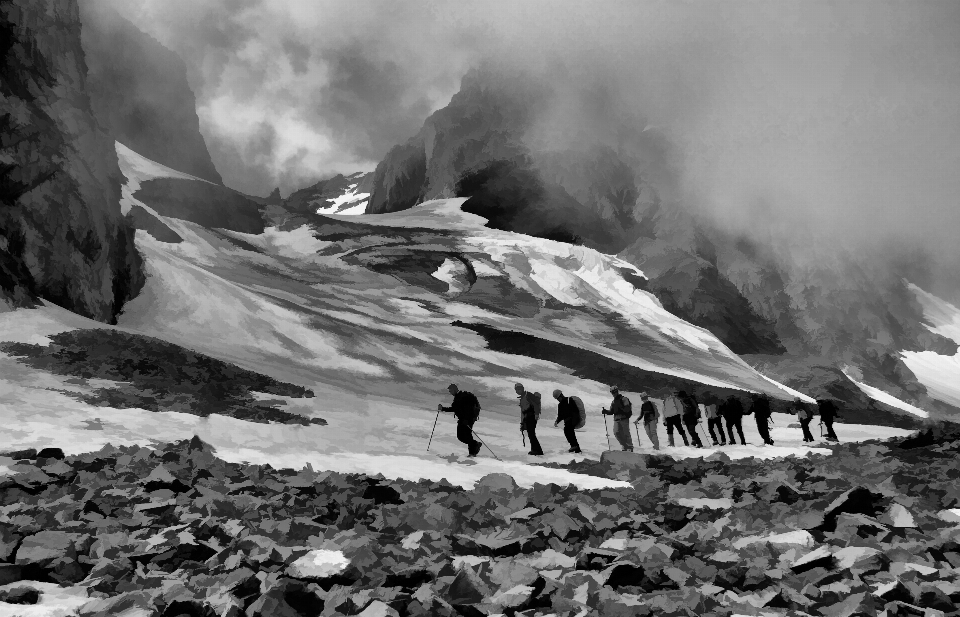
pixel 844 114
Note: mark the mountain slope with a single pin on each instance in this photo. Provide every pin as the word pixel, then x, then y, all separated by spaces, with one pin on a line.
pixel 62 237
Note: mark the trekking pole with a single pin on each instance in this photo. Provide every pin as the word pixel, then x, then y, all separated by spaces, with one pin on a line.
pixel 607 429
pixel 524 437
pixel 484 444
pixel 434 429
pixel 637 426
pixel 821 430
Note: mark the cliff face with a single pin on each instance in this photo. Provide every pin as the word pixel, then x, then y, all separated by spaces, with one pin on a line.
pixel 140 95
pixel 62 236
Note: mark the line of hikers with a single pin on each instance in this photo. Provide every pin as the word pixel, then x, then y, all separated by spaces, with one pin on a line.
pixel 680 410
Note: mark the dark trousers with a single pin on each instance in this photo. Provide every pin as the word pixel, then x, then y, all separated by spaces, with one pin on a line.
pixel 691 422
pixel 763 427
pixel 829 425
pixel 531 427
pixel 465 433
pixel 570 432
pixel 735 423
pixel 674 423
pixel 715 423
pixel 805 425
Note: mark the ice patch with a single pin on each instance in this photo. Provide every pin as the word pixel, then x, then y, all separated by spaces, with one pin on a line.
pixel 940 374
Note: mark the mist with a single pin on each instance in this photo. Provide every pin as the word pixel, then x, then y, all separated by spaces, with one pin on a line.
pixel 835 121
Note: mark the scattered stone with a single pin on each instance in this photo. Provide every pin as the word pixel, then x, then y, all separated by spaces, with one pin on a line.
pixel 898 516
pixel 20 595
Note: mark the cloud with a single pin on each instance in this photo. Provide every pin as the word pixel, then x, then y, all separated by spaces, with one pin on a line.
pixel 831 117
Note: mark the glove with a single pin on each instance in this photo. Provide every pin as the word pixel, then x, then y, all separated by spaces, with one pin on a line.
pixel 439 407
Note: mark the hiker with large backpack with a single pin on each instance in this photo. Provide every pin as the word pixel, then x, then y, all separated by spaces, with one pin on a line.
pixel 828 412
pixel 569 411
pixel 691 416
pixel 732 412
pixel 649 416
pixel 621 409
pixel 466 408
pixel 760 408
pixel 529 414
pixel 672 414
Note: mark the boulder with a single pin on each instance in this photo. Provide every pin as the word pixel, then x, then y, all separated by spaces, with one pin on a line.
pixel 496 482
pixel 861 559
pixel 467 588
pixel 898 516
pixel 378 609
pixel 318 564
pixel 818 558
pixel 55 453
pixel 46 547
pixel 20 595
pixel 287 598
pixel 623 574
pixel 8 543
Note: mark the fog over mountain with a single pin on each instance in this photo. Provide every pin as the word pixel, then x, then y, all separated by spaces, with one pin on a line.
pixel 834 118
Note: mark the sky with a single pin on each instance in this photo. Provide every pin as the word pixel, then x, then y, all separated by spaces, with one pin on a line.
pixel 830 115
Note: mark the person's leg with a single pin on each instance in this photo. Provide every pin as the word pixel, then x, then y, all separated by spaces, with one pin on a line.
pixel 651 429
pixel 723 436
pixel 669 422
pixel 570 432
pixel 730 425
pixel 535 448
pixel 678 423
pixel 691 423
pixel 465 435
pixel 627 435
pixel 805 425
pixel 739 425
pixel 764 429
pixel 711 423
pixel 830 433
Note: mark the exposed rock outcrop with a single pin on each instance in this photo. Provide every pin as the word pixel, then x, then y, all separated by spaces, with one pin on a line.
pixel 62 237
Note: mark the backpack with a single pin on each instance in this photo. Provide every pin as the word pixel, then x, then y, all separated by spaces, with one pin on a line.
pixel 690 407
pixel 628 406
pixel 581 410
pixel 476 407
pixel 535 401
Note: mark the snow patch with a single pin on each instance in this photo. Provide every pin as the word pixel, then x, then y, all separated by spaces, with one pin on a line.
pixel 346 203
pixel 940 374
pixel 319 563
pixel 887 399
pixel 452 273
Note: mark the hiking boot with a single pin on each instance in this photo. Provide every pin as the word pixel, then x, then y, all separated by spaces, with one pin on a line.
pixel 572 450
pixel 577 451
pixel 716 443
pixel 474 448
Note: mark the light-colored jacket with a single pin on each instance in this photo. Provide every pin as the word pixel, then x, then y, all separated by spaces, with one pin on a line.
pixel 672 407
pixel 709 411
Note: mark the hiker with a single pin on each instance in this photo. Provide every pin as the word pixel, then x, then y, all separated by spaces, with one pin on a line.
pixel 691 416
pixel 466 408
pixel 529 414
pixel 804 415
pixel 760 408
pixel 649 416
pixel 828 411
pixel 672 412
pixel 714 420
pixel 621 409
pixel 569 414
pixel 732 412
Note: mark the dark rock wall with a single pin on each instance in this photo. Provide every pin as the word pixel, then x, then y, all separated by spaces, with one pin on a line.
pixel 140 95
pixel 62 237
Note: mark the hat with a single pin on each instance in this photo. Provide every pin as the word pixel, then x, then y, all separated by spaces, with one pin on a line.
pixel 557 393
pixel 453 385
pixel 644 395
pixel 614 388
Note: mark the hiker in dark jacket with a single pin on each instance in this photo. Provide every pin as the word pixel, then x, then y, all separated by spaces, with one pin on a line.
pixel 649 416
pixel 828 412
pixel 621 410
pixel 714 420
pixel 528 418
pixel 569 414
pixel 732 412
pixel 466 408
pixel 691 413
pixel 804 415
pixel 760 408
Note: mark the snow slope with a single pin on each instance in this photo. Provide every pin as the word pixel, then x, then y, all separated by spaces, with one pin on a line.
pixel 377 349
pixel 940 374
pixel 887 399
